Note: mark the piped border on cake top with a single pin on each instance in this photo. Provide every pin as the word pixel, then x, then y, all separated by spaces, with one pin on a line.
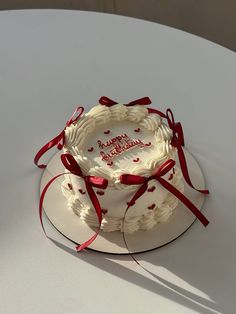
pixel 76 135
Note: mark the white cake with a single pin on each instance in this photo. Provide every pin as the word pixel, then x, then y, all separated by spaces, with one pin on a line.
pixel 112 141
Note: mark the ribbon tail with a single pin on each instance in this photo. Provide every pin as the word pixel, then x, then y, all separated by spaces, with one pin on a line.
pixel 98 210
pixel 42 196
pixel 184 200
pixel 184 168
pixel 99 213
pixel 84 245
pixel 46 147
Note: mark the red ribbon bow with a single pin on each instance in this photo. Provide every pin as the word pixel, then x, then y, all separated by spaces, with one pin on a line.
pixel 178 141
pixel 90 181
pixel 104 100
pixel 59 140
pixel 130 179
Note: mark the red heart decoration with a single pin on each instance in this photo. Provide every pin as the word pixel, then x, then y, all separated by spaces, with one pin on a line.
pixel 137 130
pixel 110 163
pixel 151 189
pixel 104 211
pixel 90 149
pixel 152 206
pixel 70 186
pixel 136 160
pixel 81 191
pixel 100 193
pixel 107 132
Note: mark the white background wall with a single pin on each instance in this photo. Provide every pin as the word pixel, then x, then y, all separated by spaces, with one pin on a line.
pixel 211 19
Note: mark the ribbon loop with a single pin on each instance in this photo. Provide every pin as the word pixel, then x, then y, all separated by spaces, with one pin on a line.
pixel 140 101
pixel 170 118
pixel 104 100
pixel 152 110
pixel 75 116
pixel 97 182
pixel 71 164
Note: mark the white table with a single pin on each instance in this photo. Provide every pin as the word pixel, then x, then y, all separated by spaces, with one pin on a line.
pixel 50 61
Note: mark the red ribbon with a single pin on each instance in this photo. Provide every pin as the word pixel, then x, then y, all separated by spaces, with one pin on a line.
pixel 90 181
pixel 104 100
pixel 59 140
pixel 130 179
pixel 178 141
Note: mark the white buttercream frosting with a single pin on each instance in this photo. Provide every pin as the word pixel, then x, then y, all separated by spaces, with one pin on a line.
pixel 118 112
pixel 101 114
pixel 151 122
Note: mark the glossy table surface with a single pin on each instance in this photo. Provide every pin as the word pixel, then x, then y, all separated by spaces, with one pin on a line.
pixel 52 60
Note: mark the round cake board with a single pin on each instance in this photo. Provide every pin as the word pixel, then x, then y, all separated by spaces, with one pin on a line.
pixel 69 224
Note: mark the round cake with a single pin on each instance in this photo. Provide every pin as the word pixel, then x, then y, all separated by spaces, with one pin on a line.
pixel 112 142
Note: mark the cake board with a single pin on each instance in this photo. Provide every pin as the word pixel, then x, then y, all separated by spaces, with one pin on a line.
pixel 69 224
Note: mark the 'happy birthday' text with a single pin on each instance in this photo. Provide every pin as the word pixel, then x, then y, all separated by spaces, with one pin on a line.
pixel 120 144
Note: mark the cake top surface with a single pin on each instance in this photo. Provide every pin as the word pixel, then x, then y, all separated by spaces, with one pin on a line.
pixel 110 141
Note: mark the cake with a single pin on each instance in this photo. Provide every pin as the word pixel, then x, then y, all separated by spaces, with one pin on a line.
pixel 120 170
pixel 116 141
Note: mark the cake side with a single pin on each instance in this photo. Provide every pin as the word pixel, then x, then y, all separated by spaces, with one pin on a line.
pixel 154 206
